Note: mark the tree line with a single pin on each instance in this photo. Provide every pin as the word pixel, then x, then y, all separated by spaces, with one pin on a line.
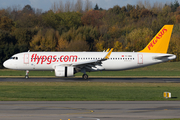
pixel 80 27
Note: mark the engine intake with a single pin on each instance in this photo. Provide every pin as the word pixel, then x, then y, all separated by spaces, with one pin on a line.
pixel 64 71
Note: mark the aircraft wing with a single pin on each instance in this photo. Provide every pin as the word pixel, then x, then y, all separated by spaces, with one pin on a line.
pixel 92 63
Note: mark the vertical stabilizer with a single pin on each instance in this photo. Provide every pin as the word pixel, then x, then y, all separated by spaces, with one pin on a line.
pixel 160 43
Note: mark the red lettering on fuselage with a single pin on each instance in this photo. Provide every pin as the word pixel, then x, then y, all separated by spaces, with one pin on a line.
pixel 49 59
pixel 158 37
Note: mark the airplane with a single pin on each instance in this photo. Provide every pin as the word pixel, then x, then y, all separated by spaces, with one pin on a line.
pixel 66 64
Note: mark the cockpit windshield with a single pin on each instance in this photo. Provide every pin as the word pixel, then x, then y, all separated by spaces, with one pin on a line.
pixel 14 58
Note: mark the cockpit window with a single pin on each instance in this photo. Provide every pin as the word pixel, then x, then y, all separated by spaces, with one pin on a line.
pixel 14 58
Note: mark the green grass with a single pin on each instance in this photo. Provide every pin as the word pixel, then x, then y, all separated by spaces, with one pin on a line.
pixel 163 69
pixel 6 72
pixel 86 91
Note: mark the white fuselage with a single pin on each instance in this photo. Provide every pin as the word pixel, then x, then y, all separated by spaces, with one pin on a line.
pixel 117 60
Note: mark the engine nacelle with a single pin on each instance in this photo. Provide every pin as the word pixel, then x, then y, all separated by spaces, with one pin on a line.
pixel 64 71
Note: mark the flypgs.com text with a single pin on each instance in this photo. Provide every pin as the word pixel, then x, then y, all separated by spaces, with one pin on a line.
pixel 158 37
pixel 53 58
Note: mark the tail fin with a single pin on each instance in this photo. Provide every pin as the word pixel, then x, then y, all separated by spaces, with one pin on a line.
pixel 160 43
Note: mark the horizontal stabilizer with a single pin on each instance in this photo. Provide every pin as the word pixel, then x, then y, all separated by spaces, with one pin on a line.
pixel 165 56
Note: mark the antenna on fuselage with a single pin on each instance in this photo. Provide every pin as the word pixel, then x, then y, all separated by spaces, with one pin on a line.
pixel 28 50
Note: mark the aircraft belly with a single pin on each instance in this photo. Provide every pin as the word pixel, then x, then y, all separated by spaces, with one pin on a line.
pixel 43 67
pixel 119 65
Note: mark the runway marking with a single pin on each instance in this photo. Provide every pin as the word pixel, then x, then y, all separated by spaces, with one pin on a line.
pixel 88 111
pixel 89 118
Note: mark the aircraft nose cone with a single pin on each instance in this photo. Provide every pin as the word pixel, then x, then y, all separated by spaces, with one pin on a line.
pixel 6 64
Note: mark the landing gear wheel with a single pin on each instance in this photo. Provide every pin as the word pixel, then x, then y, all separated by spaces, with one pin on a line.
pixel 85 76
pixel 26 76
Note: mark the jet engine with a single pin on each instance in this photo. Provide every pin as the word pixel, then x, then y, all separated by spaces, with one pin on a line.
pixel 64 71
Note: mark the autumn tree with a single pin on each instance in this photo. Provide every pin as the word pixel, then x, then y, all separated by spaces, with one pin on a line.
pixel 85 33
pixel 100 44
pixel 174 45
pixel 24 36
pixel 68 7
pixel 45 40
pixel 116 10
pixel 79 6
pixel 114 31
pixel 93 17
pixel 78 45
pixel 52 20
pixel 62 44
pixel 88 5
pixel 28 9
pixel 129 7
pixel 174 5
pixel 118 46
pixel 138 39
pixel 70 19
pixel 6 24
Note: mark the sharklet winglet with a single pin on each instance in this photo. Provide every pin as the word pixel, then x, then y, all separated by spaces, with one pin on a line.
pixel 107 50
pixel 108 55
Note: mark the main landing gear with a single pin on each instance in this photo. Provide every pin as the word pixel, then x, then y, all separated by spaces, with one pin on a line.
pixel 27 76
pixel 85 76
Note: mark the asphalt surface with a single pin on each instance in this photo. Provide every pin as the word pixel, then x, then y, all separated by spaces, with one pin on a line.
pixel 143 79
pixel 89 110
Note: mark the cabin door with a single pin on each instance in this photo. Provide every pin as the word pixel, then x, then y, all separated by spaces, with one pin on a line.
pixel 140 58
pixel 26 58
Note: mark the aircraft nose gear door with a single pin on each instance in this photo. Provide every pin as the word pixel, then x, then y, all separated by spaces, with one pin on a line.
pixel 140 58
pixel 26 58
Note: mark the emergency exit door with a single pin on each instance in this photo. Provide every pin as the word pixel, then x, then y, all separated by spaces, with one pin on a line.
pixel 26 58
pixel 140 58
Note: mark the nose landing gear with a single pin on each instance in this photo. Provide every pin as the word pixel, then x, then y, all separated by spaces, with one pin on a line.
pixel 27 76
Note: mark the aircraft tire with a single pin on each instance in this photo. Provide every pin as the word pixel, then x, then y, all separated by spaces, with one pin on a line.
pixel 85 76
pixel 26 76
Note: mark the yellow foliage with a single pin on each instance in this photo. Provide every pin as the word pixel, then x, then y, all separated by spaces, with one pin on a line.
pixel 62 44
pixel 114 31
pixel 77 45
pixel 36 42
pixel 100 44
pixel 138 39
pixel 44 42
pixel 50 40
pixel 174 46
pixel 118 46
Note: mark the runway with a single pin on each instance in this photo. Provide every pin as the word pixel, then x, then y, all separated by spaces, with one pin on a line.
pixel 89 110
pixel 132 79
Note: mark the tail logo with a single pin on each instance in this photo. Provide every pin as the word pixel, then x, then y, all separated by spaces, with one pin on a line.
pixel 158 37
